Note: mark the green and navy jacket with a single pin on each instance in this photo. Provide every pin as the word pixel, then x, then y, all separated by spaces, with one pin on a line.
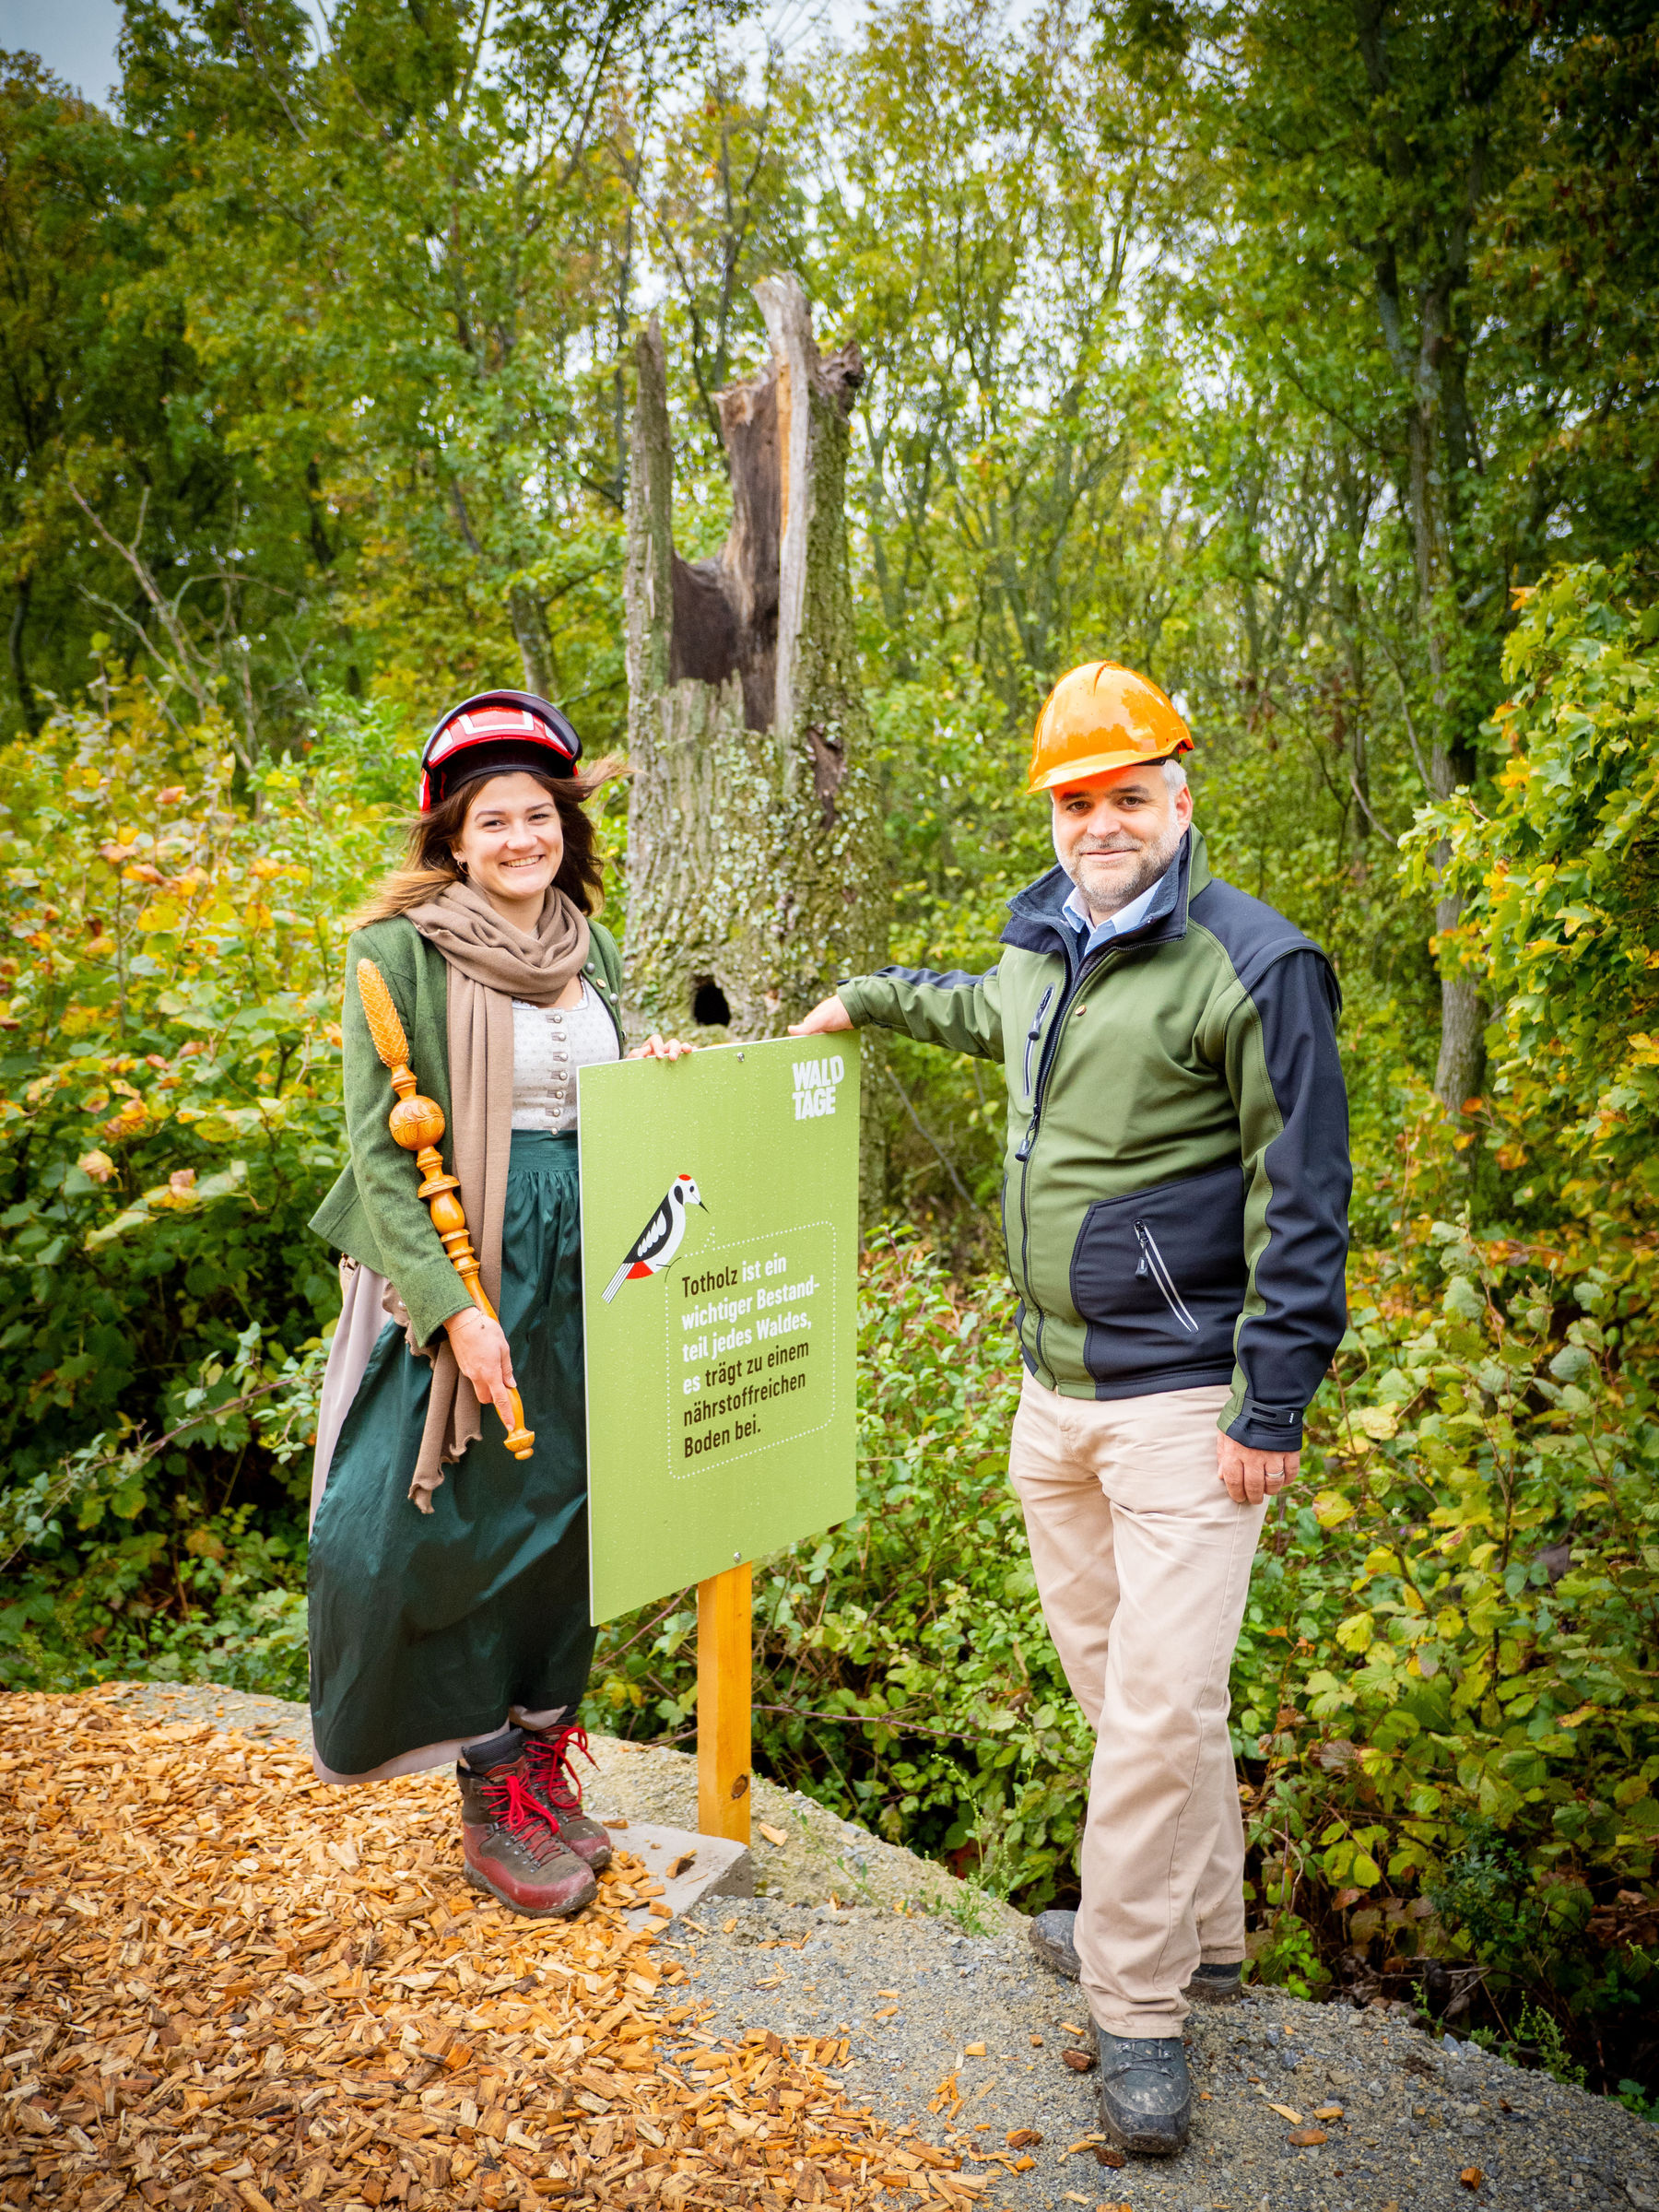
pixel 1176 1179
pixel 373 1213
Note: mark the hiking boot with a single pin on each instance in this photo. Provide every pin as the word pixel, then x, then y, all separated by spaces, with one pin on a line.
pixel 554 1784
pixel 510 1839
pixel 1146 2092
pixel 1214 1984
pixel 1053 1937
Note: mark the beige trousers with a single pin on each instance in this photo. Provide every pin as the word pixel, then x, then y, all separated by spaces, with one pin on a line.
pixel 1143 1565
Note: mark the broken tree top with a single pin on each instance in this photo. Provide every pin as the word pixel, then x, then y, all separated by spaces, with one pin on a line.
pixel 755 840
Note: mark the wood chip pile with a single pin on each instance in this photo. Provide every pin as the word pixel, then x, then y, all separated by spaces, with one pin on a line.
pixel 222 1983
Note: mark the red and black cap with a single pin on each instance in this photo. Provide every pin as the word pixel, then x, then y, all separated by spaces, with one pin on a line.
pixel 496 733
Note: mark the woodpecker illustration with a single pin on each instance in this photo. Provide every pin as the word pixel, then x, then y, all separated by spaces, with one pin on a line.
pixel 660 1238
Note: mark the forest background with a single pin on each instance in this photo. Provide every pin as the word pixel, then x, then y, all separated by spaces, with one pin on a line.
pixel 1302 356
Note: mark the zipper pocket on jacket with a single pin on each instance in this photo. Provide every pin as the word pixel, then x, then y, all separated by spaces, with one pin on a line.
pixel 1152 1263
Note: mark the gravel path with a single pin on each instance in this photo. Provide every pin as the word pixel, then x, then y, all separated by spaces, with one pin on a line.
pixel 1405 2118
pixel 952 2025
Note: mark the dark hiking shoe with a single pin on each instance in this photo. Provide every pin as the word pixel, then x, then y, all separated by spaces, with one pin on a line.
pixel 548 1753
pixel 1146 2092
pixel 1053 1935
pixel 510 1840
pixel 1216 1984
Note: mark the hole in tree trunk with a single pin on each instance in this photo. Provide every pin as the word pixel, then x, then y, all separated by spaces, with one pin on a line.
pixel 709 1004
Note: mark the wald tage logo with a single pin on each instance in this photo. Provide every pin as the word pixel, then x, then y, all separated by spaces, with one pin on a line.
pixel 816 1084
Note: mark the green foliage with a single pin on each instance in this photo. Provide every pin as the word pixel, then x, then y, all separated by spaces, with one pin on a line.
pixel 169 1119
pixel 1496 1478
pixel 1635 2099
pixel 1570 255
pixel 1284 1952
pixel 93 381
pixel 1461 1738
pixel 1536 2033
pixel 1484 1894
pixel 1559 873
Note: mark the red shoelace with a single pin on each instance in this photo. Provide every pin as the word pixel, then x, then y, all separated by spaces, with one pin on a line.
pixel 554 1775
pixel 524 1818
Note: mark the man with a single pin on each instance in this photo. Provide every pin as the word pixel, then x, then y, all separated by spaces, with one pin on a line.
pixel 1174 1205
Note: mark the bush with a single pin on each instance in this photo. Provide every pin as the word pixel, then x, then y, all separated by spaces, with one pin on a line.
pixel 170 1116
pixel 1558 875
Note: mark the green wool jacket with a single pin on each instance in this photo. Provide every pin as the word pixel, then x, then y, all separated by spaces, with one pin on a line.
pixel 372 1213
pixel 1176 1177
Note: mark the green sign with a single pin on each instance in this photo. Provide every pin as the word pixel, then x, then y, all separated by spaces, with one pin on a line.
pixel 719 1265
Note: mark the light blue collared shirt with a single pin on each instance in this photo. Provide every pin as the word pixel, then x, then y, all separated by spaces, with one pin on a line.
pixel 1094 934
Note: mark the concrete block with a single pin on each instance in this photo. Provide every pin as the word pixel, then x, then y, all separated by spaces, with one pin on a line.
pixel 691 1867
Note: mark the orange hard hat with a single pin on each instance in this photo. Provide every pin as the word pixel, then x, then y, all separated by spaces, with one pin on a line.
pixel 1098 717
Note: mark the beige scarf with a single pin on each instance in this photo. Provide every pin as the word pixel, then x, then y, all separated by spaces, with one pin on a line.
pixel 490 964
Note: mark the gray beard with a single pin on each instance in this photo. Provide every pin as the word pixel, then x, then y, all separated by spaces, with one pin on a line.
pixel 1150 867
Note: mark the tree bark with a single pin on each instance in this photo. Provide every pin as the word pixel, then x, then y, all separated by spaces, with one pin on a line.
pixel 1441 448
pixel 32 717
pixel 756 871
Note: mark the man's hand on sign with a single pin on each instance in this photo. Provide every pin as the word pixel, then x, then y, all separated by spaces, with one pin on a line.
pixel 661 1048
pixel 481 1348
pixel 829 1014
pixel 1251 1476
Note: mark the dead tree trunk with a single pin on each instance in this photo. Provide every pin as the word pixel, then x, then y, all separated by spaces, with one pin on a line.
pixel 756 873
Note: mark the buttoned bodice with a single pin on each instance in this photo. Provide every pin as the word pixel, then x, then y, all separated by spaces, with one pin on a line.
pixel 549 1043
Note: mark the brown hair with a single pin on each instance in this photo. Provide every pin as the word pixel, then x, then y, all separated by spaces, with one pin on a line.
pixel 430 867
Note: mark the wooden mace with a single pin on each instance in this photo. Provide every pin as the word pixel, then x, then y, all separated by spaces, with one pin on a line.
pixel 418 1123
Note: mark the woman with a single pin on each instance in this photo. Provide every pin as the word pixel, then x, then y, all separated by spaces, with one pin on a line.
pixel 449 1614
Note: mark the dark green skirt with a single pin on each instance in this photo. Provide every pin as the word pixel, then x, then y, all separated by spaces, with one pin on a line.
pixel 426 1627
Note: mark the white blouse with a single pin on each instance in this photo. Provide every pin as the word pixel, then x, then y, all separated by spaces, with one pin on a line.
pixel 549 1043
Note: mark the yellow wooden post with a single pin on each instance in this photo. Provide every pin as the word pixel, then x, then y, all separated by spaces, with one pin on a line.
pixel 724 1650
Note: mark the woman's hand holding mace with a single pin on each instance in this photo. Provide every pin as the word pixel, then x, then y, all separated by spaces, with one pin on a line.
pixel 418 1123
pixel 484 1357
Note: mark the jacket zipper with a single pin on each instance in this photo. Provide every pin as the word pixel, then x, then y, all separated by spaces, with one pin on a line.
pixel 1023 1152
pixel 1153 1263
pixel 1034 1032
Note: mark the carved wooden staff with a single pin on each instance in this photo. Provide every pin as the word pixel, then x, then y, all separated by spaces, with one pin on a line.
pixel 418 1123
